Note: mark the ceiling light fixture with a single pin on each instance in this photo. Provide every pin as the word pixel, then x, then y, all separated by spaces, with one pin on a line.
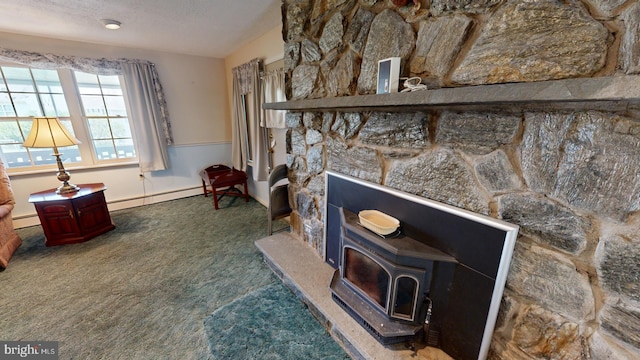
pixel 111 24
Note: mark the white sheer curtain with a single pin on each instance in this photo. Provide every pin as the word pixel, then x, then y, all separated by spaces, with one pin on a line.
pixel 246 81
pixel 273 86
pixel 147 115
pixel 150 117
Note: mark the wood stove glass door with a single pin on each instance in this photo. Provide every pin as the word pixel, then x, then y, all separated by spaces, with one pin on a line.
pixel 367 275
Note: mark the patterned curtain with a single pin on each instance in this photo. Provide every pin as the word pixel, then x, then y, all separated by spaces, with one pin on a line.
pixel 243 74
pixel 52 61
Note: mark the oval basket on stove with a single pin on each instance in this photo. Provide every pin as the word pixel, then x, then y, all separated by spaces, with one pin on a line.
pixel 378 222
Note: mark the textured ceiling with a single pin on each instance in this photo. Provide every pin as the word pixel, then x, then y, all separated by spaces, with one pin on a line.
pixel 212 28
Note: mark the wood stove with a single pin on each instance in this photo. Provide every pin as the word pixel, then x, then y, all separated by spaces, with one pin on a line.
pixel 385 282
pixel 438 281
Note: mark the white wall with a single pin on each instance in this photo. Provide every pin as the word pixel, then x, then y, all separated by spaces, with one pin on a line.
pixel 197 100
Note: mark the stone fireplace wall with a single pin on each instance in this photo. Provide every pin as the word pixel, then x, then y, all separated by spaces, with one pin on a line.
pixel 569 179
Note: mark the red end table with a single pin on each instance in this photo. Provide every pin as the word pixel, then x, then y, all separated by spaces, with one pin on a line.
pixel 74 217
pixel 221 176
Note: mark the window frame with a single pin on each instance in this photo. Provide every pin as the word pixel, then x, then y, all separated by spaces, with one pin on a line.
pixel 85 123
pixel 79 124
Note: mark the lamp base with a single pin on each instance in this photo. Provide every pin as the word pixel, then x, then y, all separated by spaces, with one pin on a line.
pixel 63 176
pixel 67 188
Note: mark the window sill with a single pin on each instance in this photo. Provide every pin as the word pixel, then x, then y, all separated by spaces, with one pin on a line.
pixel 79 168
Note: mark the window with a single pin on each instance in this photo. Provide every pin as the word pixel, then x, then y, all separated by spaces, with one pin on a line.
pixel 92 107
pixel 105 112
pixel 248 129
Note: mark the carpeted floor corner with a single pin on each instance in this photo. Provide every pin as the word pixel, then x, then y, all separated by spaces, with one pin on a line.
pixel 269 323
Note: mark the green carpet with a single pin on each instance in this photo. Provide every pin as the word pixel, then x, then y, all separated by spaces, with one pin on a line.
pixel 144 290
pixel 269 323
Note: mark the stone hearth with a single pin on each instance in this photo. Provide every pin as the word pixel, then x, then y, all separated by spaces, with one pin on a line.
pixel 307 276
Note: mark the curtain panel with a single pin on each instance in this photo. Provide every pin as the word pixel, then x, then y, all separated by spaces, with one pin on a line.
pixel 150 116
pixel 147 115
pixel 247 83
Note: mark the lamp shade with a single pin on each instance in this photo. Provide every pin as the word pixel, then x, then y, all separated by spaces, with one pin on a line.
pixel 48 132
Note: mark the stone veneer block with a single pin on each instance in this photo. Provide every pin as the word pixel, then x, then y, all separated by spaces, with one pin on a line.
pixel 439 175
pixel 327 121
pixel 296 13
pixel 472 6
pixel 332 34
pixel 342 78
pixel 439 41
pixel 358 29
pixel 549 221
pixel 291 55
pixel 298 142
pixel 298 167
pixel 312 120
pixel 607 7
pixel 316 185
pixel 347 124
pixel 545 335
pixel 618 267
pixel 315 159
pixel 304 78
pixel 300 268
pixel 479 133
pixel 325 7
pixel 313 136
pixel 496 173
pixel 293 119
pixel 552 281
pixel 563 42
pixel 540 155
pixel 357 161
pixel 623 322
pixel 599 167
pixel 309 51
pixel 630 47
pixel 306 205
pixel 602 349
pixel 402 130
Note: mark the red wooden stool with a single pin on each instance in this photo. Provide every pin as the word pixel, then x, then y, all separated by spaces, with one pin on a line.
pixel 221 176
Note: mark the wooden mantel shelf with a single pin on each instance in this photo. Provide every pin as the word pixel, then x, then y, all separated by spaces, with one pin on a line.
pixel 616 93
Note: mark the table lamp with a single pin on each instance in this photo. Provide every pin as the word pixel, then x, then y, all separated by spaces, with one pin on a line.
pixel 48 132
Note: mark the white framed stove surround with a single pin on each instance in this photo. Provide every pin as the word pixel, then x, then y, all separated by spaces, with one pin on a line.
pixel 466 309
